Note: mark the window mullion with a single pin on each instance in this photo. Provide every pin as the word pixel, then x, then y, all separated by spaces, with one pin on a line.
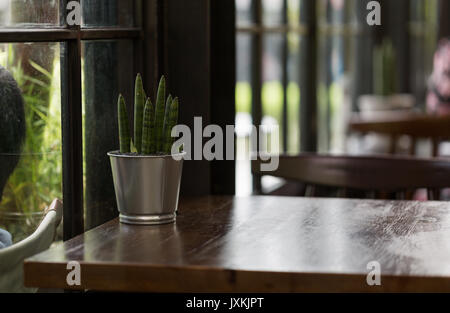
pixel 71 102
pixel 256 79
pixel 63 34
pixel 284 66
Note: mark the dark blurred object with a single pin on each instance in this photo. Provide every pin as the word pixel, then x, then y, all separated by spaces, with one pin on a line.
pixel 438 100
pixel 12 125
pixel 444 21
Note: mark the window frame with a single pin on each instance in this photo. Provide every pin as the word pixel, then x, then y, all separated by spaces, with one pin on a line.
pixel 145 42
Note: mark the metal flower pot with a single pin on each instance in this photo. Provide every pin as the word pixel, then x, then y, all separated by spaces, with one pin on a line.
pixel 147 187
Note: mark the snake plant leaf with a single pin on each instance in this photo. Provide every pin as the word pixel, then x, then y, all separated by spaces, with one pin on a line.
pixel 139 102
pixel 160 111
pixel 166 120
pixel 172 122
pixel 133 147
pixel 124 131
pixel 148 140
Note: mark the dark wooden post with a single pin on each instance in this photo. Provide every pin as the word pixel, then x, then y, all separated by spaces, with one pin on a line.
pixel 223 82
pixel 308 80
pixel 399 32
pixel 201 70
pixel 256 79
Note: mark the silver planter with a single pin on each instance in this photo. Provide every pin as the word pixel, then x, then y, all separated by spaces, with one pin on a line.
pixel 147 187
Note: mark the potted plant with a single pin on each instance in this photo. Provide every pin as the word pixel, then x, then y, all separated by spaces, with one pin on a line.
pixel 146 174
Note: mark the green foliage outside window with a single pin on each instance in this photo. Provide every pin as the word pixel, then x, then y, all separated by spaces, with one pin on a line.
pixel 37 178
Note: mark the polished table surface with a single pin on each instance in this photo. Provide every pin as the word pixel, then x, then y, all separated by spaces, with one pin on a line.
pixel 262 244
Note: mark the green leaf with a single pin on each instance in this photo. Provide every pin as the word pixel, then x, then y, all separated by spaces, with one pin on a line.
pixel 41 69
pixel 133 147
pixel 139 103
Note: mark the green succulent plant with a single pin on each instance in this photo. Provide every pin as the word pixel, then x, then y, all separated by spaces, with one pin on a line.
pixel 152 123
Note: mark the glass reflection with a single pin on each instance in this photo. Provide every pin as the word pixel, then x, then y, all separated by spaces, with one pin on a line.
pixel 30 142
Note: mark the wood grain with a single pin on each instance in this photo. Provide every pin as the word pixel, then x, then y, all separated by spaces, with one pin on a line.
pixel 262 244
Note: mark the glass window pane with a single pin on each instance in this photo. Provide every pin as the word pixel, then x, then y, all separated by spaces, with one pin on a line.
pixel 30 140
pixel 107 71
pixel 243 70
pixel 272 97
pixel 272 12
pixel 272 88
pixel 424 29
pixel 293 92
pixel 243 113
pixel 26 13
pixel 333 11
pixel 244 12
pixel 337 63
pixel 108 13
pixel 293 14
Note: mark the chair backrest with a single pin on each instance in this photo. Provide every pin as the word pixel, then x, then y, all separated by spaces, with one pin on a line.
pixel 11 258
pixel 376 175
pixel 436 128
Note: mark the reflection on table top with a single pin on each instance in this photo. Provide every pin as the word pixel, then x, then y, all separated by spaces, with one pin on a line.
pixel 262 244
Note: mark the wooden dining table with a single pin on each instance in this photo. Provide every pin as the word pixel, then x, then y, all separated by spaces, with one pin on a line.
pixel 262 244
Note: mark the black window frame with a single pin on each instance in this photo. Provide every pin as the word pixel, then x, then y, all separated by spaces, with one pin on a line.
pixel 145 42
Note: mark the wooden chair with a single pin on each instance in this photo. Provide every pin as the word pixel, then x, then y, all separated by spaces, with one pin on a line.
pixel 436 128
pixel 375 177
pixel 11 258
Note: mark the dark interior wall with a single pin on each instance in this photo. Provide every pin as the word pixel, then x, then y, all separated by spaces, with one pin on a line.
pixel 188 70
pixel 199 61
